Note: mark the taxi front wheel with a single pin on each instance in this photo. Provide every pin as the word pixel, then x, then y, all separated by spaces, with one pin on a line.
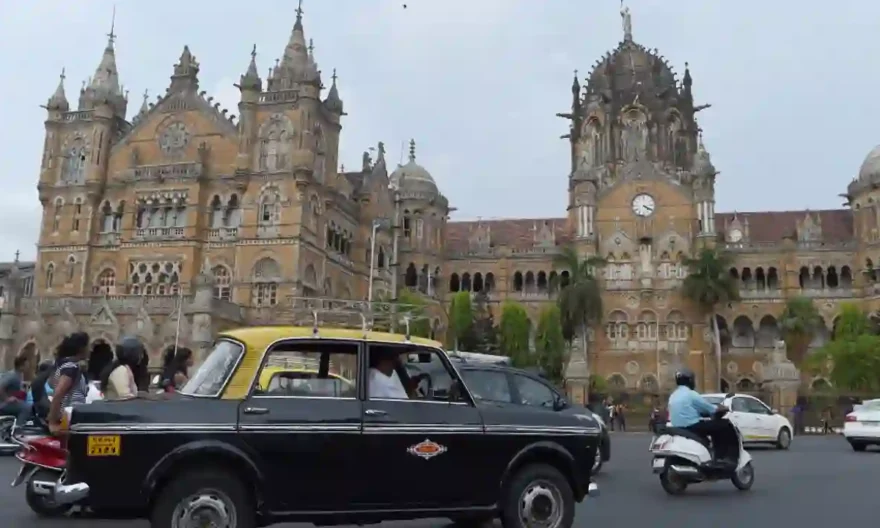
pixel 538 495
pixel 204 498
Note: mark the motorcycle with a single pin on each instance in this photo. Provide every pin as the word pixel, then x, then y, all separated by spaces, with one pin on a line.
pixel 682 457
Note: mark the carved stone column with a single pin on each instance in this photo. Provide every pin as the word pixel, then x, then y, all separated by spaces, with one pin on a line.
pixel 201 311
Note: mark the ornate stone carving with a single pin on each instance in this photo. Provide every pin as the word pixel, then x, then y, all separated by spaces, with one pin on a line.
pixel 174 139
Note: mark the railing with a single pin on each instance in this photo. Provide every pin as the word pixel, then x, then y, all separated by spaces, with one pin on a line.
pixel 159 232
pixel 222 233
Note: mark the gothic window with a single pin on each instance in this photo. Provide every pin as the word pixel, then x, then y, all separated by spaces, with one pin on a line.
pixel 217 213
pixel 154 278
pixel 270 208
pixel 380 260
pixel 314 213
pixel 73 169
pixel 50 275
pixel 222 283
pixel 420 228
pixel 157 216
pixel 646 329
pixel 233 212
pixel 77 213
pixel 117 218
pixel 106 283
pixel 407 227
pixel 266 276
pixel 274 145
pixel 180 214
pixel 71 268
pixel 617 327
pixel 107 218
pixel 56 214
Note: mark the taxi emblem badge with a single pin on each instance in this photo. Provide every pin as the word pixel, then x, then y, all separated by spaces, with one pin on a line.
pixel 426 449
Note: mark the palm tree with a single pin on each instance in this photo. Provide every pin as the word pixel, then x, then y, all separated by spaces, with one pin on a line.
pixel 799 322
pixel 710 284
pixel 580 301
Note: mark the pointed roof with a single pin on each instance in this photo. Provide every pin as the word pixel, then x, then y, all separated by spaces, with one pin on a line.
pixel 104 87
pixel 186 73
pixel 58 101
pixel 297 64
pixel 251 79
pixel 333 102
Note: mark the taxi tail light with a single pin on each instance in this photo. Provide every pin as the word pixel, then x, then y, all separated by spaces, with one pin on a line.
pixel 851 418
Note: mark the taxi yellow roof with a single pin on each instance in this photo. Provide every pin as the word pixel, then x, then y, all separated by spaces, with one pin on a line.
pixel 260 337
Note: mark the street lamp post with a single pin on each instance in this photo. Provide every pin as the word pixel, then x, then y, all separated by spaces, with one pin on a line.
pixel 372 262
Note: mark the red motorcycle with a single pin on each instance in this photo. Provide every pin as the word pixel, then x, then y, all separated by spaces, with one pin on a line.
pixel 43 461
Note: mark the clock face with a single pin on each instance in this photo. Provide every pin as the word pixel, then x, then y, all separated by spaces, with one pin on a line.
pixel 174 139
pixel 735 235
pixel 643 205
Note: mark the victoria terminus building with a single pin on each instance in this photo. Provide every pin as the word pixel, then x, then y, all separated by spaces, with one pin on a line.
pixel 180 203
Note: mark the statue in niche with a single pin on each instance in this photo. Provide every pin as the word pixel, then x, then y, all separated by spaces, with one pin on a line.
pixel 680 148
pixel 634 138
pixel 135 156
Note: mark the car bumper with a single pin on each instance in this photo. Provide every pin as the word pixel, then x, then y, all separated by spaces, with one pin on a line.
pixel 60 492
pixel 861 431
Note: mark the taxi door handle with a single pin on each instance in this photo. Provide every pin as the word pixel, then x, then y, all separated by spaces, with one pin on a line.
pixel 256 410
pixel 375 412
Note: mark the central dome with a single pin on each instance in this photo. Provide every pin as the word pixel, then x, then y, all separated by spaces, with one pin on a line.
pixel 412 176
pixel 870 169
pixel 631 67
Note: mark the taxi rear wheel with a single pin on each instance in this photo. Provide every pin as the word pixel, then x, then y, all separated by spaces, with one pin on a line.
pixel 204 498
pixel 538 496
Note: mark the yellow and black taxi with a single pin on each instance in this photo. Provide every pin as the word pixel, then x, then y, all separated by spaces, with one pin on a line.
pixel 326 426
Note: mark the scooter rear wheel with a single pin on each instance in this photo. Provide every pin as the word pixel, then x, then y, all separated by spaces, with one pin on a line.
pixel 672 484
pixel 43 505
pixel 744 478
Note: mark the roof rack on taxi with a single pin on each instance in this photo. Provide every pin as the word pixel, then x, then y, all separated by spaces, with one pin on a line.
pixel 363 315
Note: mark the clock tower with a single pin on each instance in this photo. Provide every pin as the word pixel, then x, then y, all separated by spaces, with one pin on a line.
pixel 641 196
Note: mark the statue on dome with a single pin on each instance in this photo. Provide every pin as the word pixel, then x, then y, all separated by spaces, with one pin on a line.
pixel 626 17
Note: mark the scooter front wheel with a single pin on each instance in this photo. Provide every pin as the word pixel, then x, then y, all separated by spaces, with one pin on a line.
pixel 744 478
pixel 672 484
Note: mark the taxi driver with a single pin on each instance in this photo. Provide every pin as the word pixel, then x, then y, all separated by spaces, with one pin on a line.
pixel 384 383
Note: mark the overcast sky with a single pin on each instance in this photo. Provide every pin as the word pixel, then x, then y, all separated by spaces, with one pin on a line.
pixel 477 83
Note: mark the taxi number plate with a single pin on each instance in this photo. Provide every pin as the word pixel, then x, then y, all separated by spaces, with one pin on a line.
pixel 659 463
pixel 104 446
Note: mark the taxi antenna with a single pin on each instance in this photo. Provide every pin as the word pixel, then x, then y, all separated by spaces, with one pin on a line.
pixel 406 319
pixel 315 323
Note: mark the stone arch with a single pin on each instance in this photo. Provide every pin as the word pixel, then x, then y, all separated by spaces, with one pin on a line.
pixel 768 332
pixel 50 275
pixel 411 276
pixel 616 381
pixel 274 144
pixel 310 277
pixel 743 335
pixel 822 335
pixel 746 383
pixel 466 281
pixel 454 283
pixel 649 383
pixel 266 275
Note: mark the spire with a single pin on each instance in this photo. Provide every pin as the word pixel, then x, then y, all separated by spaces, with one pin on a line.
pixel 251 79
pixel 58 101
pixel 297 65
pixel 687 81
pixel 186 73
pixel 145 106
pixel 333 102
pixel 412 150
pixel 103 87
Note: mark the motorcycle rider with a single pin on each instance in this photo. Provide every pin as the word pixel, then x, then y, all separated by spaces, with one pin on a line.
pixel 686 408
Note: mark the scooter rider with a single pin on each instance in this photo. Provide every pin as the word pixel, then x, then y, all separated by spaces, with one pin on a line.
pixel 687 406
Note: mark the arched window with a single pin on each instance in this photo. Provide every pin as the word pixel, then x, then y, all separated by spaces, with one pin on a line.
pixel 74 166
pixel 71 268
pixel 106 283
pixel 107 218
pixel 56 214
pixel 270 208
pixel 50 275
pixel 222 283
pixel 217 213
pixel 275 142
pixel 233 212
pixel 266 276
pixel 77 213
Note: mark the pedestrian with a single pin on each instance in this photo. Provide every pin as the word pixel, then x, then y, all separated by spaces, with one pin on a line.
pixel 612 415
pixel 798 412
pixel 621 416
pixel 826 420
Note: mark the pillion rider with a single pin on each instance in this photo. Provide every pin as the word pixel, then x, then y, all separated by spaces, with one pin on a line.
pixel 686 409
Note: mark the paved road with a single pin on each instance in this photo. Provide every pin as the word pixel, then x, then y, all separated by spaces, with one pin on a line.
pixel 820 482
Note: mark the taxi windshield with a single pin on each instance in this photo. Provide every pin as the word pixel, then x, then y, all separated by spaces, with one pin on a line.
pixel 213 373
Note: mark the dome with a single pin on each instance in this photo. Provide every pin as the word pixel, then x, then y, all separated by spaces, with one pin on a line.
pixel 870 169
pixel 632 65
pixel 412 176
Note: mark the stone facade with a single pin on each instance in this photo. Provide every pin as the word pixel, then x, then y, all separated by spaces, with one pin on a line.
pixel 186 220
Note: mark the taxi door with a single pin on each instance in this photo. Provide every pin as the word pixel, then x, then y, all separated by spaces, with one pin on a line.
pixel 305 433
pixel 420 453
pixel 746 421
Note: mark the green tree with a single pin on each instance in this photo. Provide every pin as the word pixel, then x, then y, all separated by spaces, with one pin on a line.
pixel 514 334
pixel 799 322
pixel 461 320
pixel 484 332
pixel 854 353
pixel 409 305
pixel 550 344
pixel 709 285
pixel 580 300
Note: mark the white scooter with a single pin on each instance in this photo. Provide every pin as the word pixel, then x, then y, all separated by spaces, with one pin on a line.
pixel 682 457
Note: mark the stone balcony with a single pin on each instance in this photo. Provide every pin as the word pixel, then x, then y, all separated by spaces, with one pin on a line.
pixel 159 233
pixel 220 234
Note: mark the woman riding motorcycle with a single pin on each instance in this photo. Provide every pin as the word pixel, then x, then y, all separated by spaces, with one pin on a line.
pixel 118 379
pixel 41 390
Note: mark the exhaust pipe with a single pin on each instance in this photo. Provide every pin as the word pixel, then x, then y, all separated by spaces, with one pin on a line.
pixel 43 488
pixel 593 490
pixel 686 471
pixel 60 493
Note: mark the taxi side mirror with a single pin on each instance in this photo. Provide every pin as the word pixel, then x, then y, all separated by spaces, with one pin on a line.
pixel 774 411
pixel 559 403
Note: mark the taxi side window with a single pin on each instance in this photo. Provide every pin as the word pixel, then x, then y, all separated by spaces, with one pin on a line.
pixel 309 369
pixel 756 407
pixel 739 405
pixel 488 385
pixel 533 393
pixel 410 373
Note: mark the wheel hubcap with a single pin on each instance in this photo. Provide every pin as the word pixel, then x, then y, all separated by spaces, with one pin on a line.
pixel 598 460
pixel 206 509
pixel 745 474
pixel 541 506
pixel 786 439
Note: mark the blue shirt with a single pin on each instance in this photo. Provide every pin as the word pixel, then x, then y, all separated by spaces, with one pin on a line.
pixel 686 407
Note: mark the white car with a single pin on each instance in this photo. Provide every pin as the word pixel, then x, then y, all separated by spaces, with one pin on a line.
pixel 758 423
pixel 862 425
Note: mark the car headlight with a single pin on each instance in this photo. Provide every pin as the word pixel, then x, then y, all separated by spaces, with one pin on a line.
pixel 588 417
